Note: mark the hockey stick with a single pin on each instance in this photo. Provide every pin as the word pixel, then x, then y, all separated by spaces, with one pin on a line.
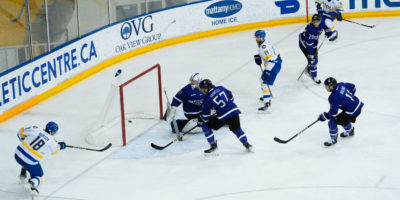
pixel 84 148
pixel 178 138
pixel 286 141
pixel 173 118
pixel 369 26
pixel 302 72
pixel 267 84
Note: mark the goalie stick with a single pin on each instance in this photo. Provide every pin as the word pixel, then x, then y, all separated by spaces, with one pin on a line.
pixel 89 149
pixel 173 117
pixel 286 141
pixel 178 138
pixel 302 72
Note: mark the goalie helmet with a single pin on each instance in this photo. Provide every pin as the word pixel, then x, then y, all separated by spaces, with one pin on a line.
pixel 330 82
pixel 51 127
pixel 196 78
pixel 206 84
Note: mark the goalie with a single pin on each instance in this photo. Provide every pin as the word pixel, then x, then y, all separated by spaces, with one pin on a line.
pixel 191 99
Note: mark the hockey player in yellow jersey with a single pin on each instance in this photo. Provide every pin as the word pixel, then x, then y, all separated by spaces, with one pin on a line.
pixel 271 65
pixel 35 143
pixel 329 11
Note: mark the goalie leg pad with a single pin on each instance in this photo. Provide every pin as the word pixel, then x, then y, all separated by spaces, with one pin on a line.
pixel 190 124
pixel 181 124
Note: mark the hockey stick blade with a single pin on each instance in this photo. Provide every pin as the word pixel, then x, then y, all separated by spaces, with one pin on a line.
pixel 281 141
pixel 158 147
pixel 89 149
pixel 286 141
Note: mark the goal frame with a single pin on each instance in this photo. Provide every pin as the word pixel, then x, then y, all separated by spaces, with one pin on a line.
pixel 121 95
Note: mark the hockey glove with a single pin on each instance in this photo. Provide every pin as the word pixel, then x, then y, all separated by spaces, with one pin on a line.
pixel 321 117
pixel 257 59
pixel 170 114
pixel 319 10
pixel 62 145
pixel 265 75
pixel 339 16
pixel 173 112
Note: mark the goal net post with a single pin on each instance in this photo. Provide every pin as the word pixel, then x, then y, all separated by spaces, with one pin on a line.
pixel 133 104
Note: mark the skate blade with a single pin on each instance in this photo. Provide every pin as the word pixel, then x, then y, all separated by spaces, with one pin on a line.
pixel 250 150
pixel 266 111
pixel 22 180
pixel 211 154
pixel 33 192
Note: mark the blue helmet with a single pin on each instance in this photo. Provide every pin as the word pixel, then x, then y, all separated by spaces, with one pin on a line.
pixel 51 127
pixel 259 33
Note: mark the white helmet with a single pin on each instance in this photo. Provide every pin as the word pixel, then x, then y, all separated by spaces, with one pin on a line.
pixel 196 78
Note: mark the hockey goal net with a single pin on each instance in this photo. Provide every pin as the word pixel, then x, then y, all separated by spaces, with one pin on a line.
pixel 133 105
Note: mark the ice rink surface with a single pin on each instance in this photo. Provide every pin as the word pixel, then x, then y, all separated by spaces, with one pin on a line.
pixel 363 167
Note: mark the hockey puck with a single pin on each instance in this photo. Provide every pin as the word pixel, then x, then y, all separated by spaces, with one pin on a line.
pixel 130 121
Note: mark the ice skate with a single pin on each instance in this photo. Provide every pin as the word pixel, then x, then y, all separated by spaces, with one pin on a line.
pixel 248 146
pixel 334 36
pixel 30 186
pixel 330 142
pixel 347 133
pixel 212 150
pixel 316 80
pixel 265 107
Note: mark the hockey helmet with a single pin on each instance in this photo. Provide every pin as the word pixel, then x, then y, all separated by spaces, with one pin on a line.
pixel 316 17
pixel 51 127
pixel 260 33
pixel 330 82
pixel 206 84
pixel 195 77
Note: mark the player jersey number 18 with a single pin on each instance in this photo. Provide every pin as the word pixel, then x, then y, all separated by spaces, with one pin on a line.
pixel 37 143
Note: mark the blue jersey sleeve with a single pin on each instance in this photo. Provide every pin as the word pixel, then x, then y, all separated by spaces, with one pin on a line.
pixel 206 112
pixel 351 87
pixel 334 107
pixel 179 98
pixel 229 94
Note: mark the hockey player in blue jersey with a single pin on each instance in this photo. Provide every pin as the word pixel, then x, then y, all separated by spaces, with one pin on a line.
pixel 342 97
pixel 308 42
pixel 271 61
pixel 191 99
pixel 329 11
pixel 36 142
pixel 227 112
